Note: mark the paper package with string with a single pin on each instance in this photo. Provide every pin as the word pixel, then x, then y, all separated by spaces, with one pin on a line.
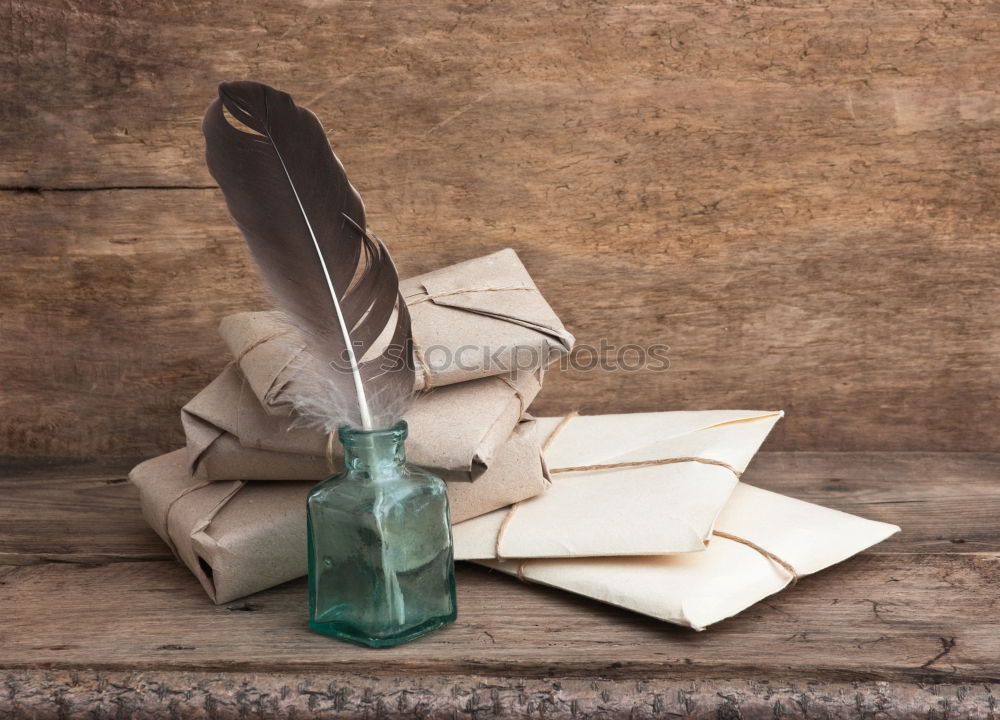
pixel 675 552
pixel 762 542
pixel 475 319
pixel 242 536
pixel 457 431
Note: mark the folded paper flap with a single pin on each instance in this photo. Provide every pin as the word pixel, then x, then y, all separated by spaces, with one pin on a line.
pixel 200 435
pixel 651 510
pixel 517 473
pixel 229 405
pixel 476 417
pixel 602 514
pixel 227 408
pixel 474 286
pixel 260 430
pixel 808 537
pixel 524 386
pixel 599 439
pixel 732 444
pixel 265 345
pixel 698 589
pixel 179 507
pixel 455 428
pixel 169 491
pixel 686 466
pixel 274 505
pixel 206 417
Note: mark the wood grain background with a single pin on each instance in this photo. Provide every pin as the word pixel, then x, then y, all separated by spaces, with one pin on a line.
pixel 800 198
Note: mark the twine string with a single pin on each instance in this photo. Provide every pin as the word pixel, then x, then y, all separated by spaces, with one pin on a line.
pixel 166 515
pixel 417 299
pixel 425 369
pixel 330 458
pixel 558 429
pixel 782 563
pixel 257 343
pixel 647 463
pixel 517 393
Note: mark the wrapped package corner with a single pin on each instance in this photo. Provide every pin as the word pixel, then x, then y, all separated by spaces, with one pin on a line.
pixel 471 320
pixel 668 506
pixel 240 537
pixel 457 431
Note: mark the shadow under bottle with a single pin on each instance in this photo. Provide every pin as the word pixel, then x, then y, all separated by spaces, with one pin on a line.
pixel 381 567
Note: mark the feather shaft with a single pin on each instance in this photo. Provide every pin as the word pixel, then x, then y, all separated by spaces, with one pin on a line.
pixel 359 386
pixel 305 225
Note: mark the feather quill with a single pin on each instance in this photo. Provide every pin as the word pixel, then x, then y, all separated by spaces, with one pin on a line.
pixel 305 225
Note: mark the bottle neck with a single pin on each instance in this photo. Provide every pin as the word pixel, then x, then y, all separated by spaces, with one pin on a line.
pixel 369 451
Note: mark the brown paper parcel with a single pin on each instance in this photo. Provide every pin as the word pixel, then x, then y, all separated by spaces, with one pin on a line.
pixel 456 431
pixel 698 589
pixel 242 537
pixel 476 319
pixel 645 510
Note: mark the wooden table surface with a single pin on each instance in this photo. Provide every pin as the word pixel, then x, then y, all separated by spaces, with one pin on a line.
pixel 96 617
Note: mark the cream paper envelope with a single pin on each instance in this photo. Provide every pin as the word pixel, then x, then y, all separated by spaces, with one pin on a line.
pixel 698 589
pixel 646 510
pixel 456 430
pixel 471 320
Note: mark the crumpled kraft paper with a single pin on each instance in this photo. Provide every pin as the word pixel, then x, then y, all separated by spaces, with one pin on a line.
pixel 701 588
pixel 456 430
pixel 627 510
pixel 241 537
pixel 471 320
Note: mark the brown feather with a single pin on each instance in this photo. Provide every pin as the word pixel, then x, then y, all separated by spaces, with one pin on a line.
pixel 284 187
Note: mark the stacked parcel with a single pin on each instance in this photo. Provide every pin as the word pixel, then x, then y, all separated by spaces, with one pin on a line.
pixel 232 503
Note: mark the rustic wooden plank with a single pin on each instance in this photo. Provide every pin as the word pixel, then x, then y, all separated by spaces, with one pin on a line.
pixel 85 512
pixel 102 695
pixel 100 357
pixel 870 338
pixel 568 101
pixel 896 613
pixel 876 617
pixel 72 512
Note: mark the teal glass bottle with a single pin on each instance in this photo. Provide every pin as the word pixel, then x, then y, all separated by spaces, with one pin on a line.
pixel 381 566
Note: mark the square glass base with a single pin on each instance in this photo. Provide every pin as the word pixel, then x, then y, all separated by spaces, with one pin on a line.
pixel 351 634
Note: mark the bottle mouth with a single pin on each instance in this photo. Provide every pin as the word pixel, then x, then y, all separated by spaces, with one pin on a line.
pixel 350 434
